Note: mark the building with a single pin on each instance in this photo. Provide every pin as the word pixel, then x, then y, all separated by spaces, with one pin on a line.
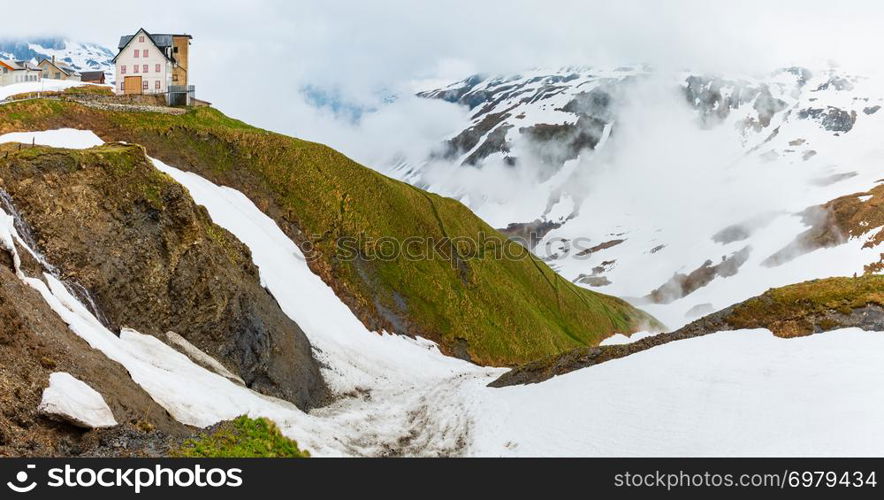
pixel 18 71
pixel 57 70
pixel 154 64
pixel 92 77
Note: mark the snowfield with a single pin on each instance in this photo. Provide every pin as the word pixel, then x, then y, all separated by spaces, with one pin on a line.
pixel 733 393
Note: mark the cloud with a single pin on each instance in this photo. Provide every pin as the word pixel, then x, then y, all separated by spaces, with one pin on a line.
pixel 253 58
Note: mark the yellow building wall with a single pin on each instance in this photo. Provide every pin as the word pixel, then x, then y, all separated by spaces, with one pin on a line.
pixel 181 53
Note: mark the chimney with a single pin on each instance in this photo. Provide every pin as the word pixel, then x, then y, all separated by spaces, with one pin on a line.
pixel 53 59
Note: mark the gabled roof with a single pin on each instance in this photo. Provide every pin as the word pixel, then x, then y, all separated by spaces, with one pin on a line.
pixel 10 64
pixel 18 65
pixel 161 41
pixel 64 68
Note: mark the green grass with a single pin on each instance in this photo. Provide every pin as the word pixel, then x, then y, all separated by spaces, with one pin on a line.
pixel 70 91
pixel 498 311
pixel 89 89
pixel 242 437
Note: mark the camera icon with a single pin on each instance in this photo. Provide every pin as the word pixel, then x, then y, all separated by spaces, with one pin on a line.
pixel 21 478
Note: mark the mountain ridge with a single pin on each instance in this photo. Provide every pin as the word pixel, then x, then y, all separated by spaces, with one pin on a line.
pixel 82 56
pixel 455 298
pixel 583 159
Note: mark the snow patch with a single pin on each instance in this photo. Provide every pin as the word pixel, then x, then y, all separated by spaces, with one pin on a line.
pixel 60 138
pixel 72 400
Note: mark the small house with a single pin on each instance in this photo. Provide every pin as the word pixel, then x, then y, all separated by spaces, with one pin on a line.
pixel 18 72
pixel 151 63
pixel 58 70
pixel 92 77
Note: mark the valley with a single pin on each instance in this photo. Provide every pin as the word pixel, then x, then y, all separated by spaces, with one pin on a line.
pixel 189 269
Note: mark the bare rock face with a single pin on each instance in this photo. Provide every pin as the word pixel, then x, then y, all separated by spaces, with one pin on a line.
pixel 153 261
pixel 73 401
pixel 681 285
pixel 34 344
pixel 832 119
pixel 529 234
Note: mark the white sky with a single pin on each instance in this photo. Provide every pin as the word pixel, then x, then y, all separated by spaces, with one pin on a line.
pixel 243 52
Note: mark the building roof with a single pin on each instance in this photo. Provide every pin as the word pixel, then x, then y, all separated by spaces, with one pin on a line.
pixel 162 40
pixel 19 65
pixel 92 75
pixel 28 65
pixel 10 64
pixel 61 66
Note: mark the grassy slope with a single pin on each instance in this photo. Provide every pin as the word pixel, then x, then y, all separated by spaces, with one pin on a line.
pixel 801 309
pixel 497 311
pixel 242 437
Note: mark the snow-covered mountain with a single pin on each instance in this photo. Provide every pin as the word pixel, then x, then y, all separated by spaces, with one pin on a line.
pixel 82 56
pixel 685 193
pixel 222 310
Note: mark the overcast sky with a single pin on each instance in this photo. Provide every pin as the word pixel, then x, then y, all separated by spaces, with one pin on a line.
pixel 253 58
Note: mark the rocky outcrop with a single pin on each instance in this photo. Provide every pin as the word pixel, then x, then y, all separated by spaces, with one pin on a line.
pixel 529 234
pixel 858 215
pixel 471 139
pixel 680 284
pixel 199 357
pixel 554 144
pixel 153 261
pixel 802 309
pixel 831 118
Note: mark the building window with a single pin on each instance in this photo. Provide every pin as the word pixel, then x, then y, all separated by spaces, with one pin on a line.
pixel 137 52
pixel 144 53
pixel 156 85
pixel 144 85
pixel 141 39
pixel 123 69
pixel 135 68
pixel 157 68
pixel 144 69
pixel 174 77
